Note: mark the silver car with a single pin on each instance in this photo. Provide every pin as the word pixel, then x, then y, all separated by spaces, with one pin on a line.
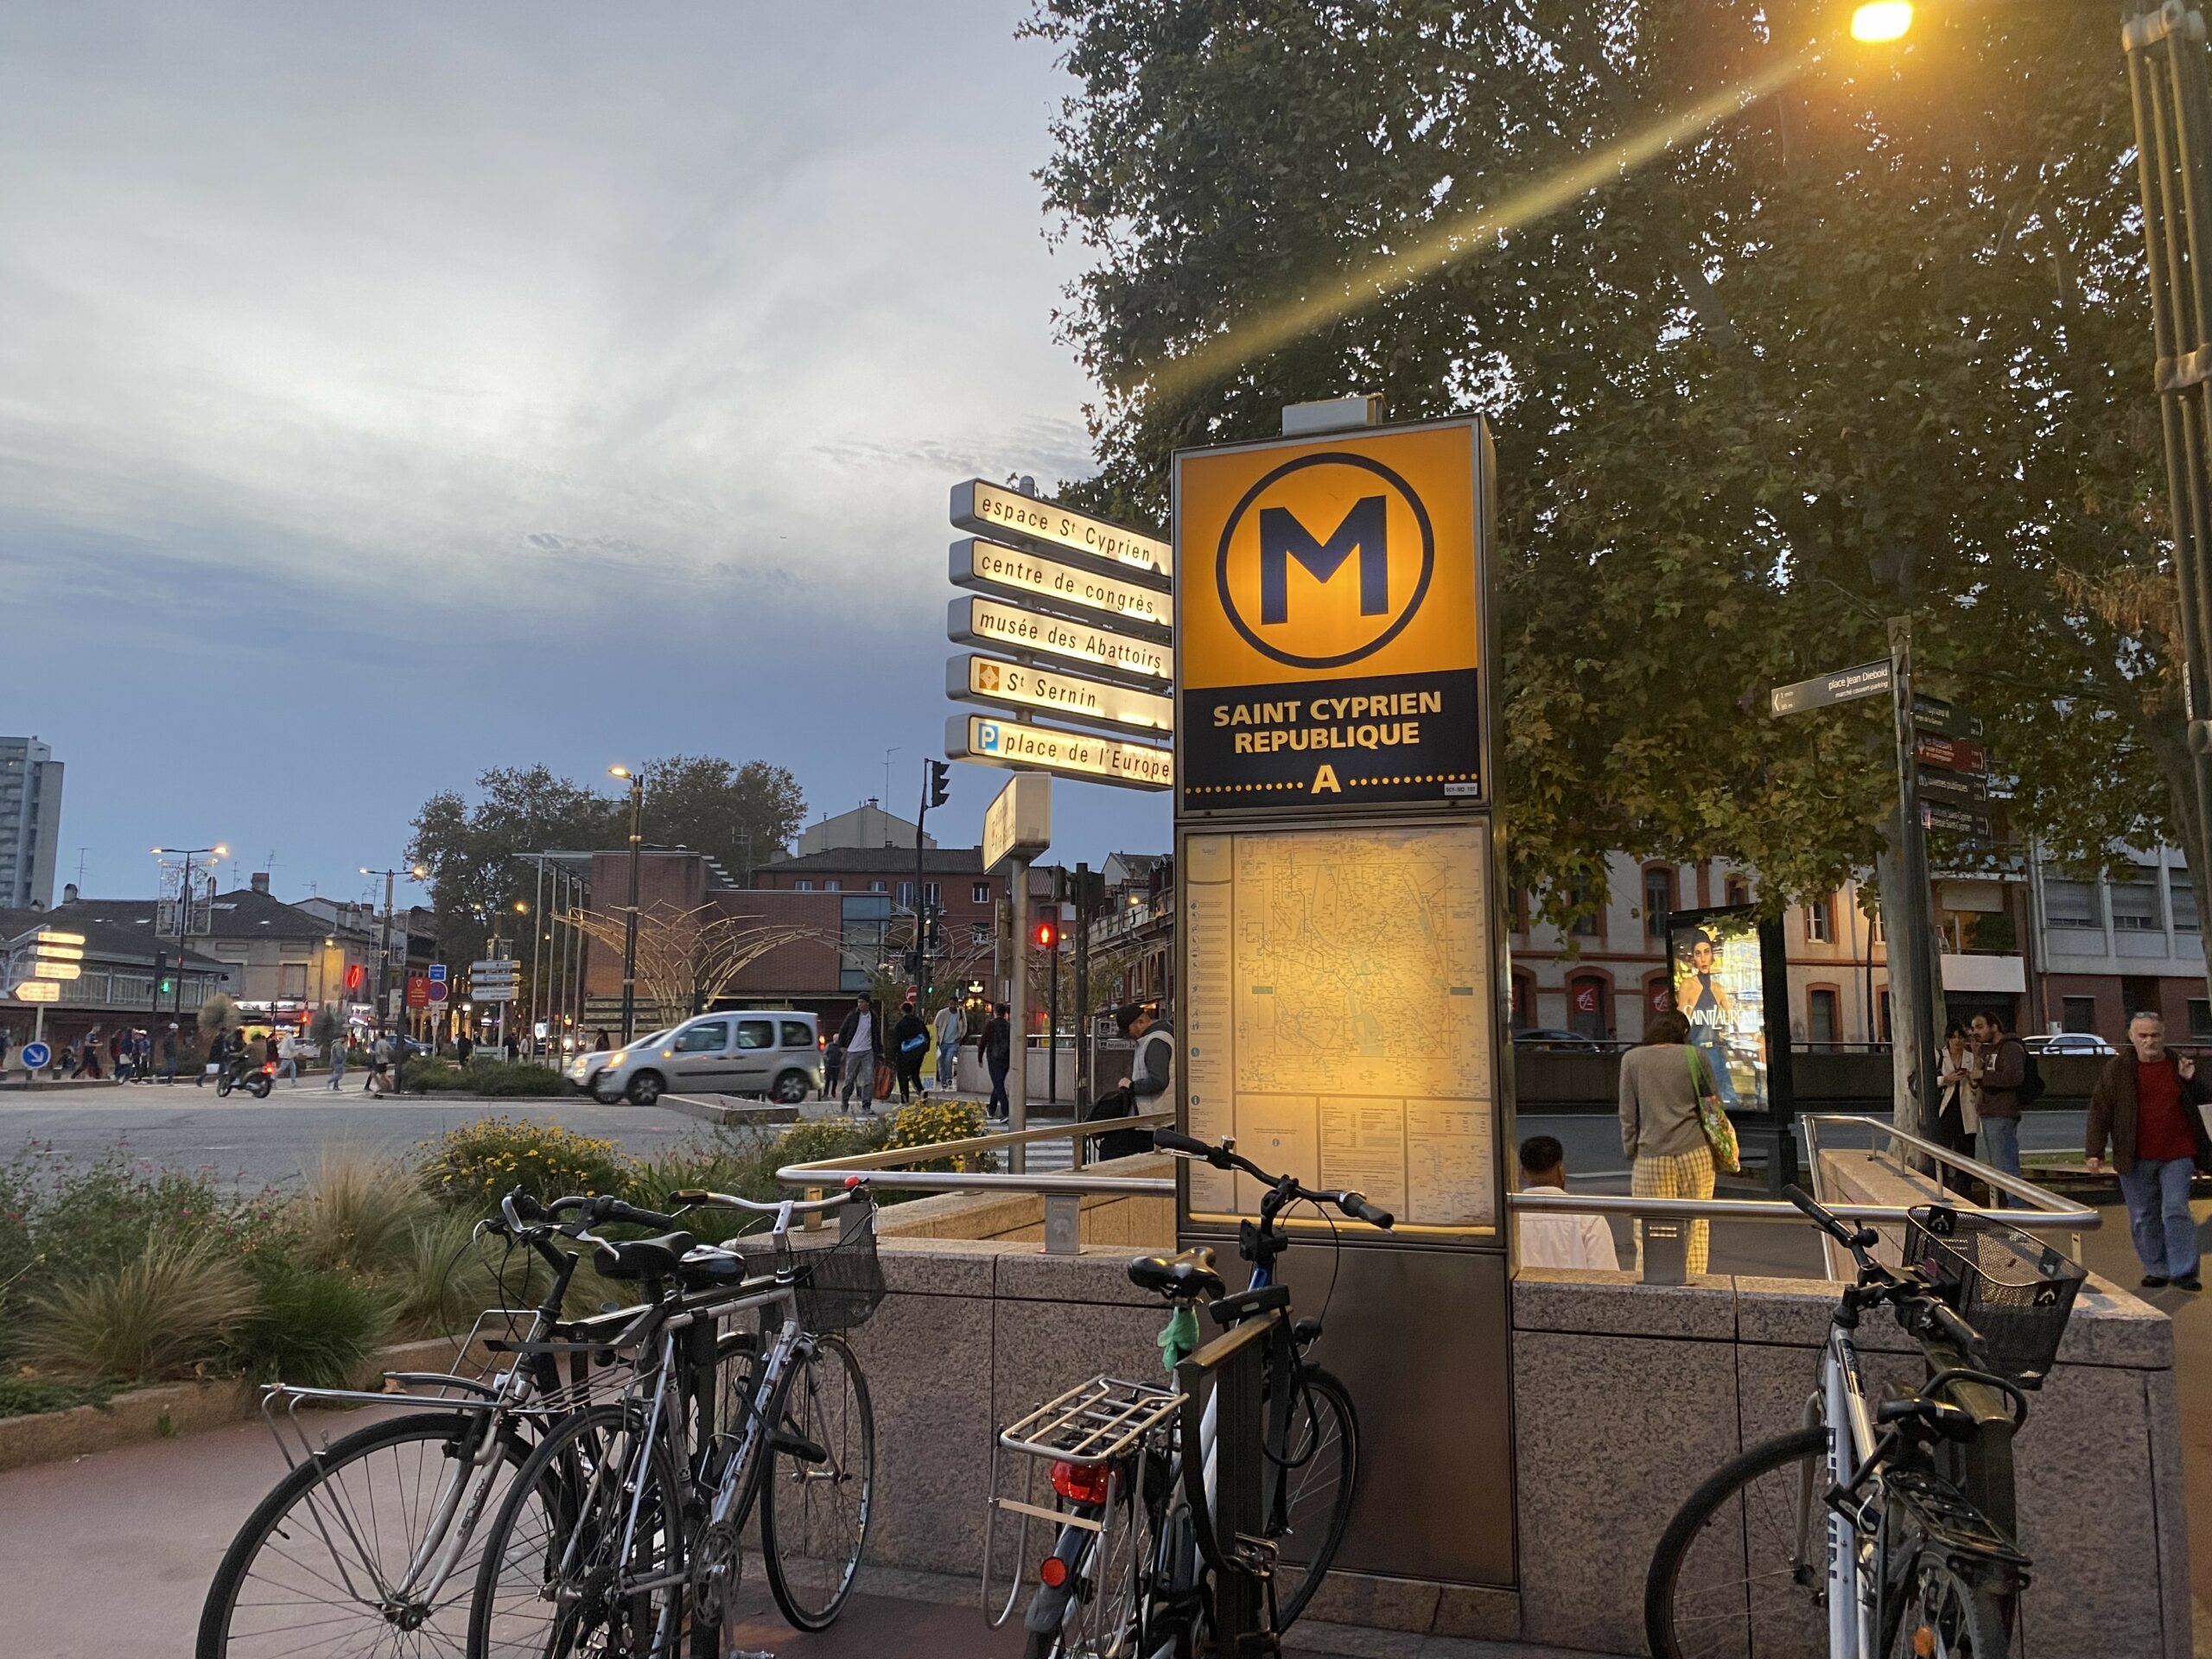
pixel 771 1052
pixel 583 1071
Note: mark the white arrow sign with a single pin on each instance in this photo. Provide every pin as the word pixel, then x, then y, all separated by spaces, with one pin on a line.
pixel 1063 696
pixel 988 568
pixel 993 510
pixel 1077 754
pixel 987 622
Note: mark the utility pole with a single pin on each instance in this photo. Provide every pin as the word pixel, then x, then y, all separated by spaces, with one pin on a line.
pixel 1915 984
pixel 630 920
pixel 1083 1014
pixel 935 787
pixel 1052 1003
pixel 1017 1080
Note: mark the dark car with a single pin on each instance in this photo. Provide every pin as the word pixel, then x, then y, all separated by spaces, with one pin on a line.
pixel 1571 1041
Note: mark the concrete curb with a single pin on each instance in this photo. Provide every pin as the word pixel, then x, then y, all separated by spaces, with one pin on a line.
pixel 728 1110
pixel 169 1409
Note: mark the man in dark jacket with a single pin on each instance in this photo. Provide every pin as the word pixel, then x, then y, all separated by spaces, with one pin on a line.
pixel 996 1044
pixel 909 1047
pixel 2146 1104
pixel 2003 1067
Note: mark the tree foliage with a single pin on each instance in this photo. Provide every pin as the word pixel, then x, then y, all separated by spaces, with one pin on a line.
pixel 475 853
pixel 1878 343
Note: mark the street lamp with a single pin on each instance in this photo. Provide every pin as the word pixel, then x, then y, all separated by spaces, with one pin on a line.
pixel 1881 21
pixel 184 910
pixel 414 872
pixel 630 920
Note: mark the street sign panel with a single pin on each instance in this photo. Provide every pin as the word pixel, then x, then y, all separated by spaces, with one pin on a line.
pixel 1058 696
pixel 1957 788
pixel 418 991
pixel 38 990
pixel 42 968
pixel 1330 647
pixel 1074 754
pixel 36 1056
pixel 1037 578
pixel 1019 823
pixel 1952 753
pixel 1008 628
pixel 1954 821
pixel 438 991
pixel 437 973
pixel 1824 691
pixel 994 511
pixel 492 993
pixel 491 967
pixel 1935 715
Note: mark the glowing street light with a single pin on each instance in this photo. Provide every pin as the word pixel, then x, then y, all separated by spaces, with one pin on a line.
pixel 1881 21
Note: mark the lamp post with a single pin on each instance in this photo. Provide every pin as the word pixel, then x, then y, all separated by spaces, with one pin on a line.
pixel 630 918
pixel 184 908
pixel 413 872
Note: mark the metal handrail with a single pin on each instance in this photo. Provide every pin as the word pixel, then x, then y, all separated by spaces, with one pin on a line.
pixel 2027 1191
pixel 882 1167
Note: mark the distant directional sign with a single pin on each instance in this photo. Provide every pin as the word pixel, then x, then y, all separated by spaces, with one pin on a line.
pixel 1954 821
pixel 1058 696
pixel 1953 788
pixel 1945 719
pixel 1951 753
pixel 38 990
pixel 989 622
pixel 1845 685
pixel 1038 579
pixel 1072 754
pixel 437 973
pixel 994 511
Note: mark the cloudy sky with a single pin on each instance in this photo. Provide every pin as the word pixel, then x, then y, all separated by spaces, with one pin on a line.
pixel 389 393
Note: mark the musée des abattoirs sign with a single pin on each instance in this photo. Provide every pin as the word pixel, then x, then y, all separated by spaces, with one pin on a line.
pixel 1328 623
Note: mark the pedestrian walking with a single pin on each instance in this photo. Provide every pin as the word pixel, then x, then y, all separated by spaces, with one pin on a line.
pixel 947 1032
pixel 2001 1067
pixel 463 1048
pixel 1549 1238
pixel 170 1049
pixel 379 1065
pixel 118 1054
pixel 1958 1111
pixel 287 1060
pixel 1661 1134
pixel 217 1051
pixel 7 1042
pixel 2146 1104
pixel 858 1034
pixel 514 1048
pixel 910 1043
pixel 601 1045
pixel 338 1060
pixel 995 1045
pixel 833 1063
pixel 88 1056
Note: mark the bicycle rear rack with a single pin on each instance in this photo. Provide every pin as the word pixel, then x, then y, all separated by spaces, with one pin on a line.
pixel 1103 1422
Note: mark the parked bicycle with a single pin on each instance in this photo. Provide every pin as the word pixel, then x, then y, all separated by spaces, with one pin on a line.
pixel 369 1541
pixel 1888 1528
pixel 623 1532
pixel 1146 1559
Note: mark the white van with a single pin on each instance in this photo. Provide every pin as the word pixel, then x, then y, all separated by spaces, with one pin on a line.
pixel 771 1052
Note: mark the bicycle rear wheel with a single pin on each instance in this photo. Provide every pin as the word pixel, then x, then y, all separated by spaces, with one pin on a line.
pixel 1320 1466
pixel 586 1554
pixel 1745 1558
pixel 820 1486
pixel 1947 1615
pixel 322 1563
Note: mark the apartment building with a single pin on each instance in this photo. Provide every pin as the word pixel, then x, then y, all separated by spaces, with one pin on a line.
pixel 30 822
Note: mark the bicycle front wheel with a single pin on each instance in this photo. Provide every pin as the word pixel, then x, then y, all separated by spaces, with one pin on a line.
pixel 587 1556
pixel 1319 1466
pixel 1746 1558
pixel 339 1555
pixel 820 1486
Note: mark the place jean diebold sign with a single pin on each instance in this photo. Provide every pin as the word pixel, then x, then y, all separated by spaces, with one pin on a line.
pixel 1328 621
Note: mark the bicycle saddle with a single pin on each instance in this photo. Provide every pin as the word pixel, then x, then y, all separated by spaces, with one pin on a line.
pixel 1187 1277
pixel 642 1258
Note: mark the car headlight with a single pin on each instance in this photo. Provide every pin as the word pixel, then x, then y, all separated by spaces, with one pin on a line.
pixel 617 1060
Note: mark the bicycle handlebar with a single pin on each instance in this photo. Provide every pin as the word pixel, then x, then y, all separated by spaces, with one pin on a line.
pixel 1225 1156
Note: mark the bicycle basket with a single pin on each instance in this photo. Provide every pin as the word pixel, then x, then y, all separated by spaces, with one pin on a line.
pixel 840 1284
pixel 2016 1291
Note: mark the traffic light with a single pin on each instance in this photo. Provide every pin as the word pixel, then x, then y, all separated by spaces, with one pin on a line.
pixel 940 780
pixel 1045 935
pixel 165 982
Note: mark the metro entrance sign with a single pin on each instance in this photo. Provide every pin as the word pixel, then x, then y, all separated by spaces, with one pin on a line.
pixel 1329 632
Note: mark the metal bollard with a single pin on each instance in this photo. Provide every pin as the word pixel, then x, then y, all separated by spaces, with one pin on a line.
pixel 1666 1249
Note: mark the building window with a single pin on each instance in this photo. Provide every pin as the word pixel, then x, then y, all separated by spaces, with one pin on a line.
pixel 885 886
pixel 2071 904
pixel 833 884
pixel 2077 1013
pixel 1821 1018
pixel 979 894
pixel 2135 902
pixel 803 884
pixel 906 893
pixel 1524 1002
pixel 1736 890
pixel 1586 926
pixel 1587 1013
pixel 292 981
pixel 2200 1019
pixel 1882 1010
pixel 1819 921
pixel 2181 899
pixel 1658 900
pixel 979 933
pixel 933 894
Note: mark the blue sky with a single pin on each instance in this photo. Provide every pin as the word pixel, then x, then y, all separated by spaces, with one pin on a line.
pixel 387 394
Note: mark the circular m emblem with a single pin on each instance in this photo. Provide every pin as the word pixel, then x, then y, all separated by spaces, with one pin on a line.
pixel 1325 561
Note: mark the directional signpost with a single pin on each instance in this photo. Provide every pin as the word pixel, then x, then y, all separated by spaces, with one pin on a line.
pixel 1825 691
pixel 1058 695
pixel 492 981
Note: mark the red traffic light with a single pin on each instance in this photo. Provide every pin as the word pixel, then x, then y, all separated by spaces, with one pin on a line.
pixel 353 977
pixel 1045 935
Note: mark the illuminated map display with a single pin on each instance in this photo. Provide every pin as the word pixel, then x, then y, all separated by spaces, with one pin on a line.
pixel 1339 1017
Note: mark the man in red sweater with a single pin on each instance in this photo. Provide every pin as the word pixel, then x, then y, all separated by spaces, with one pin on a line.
pixel 2146 1104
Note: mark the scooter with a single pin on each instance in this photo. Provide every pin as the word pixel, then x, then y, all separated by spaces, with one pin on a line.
pixel 257 1081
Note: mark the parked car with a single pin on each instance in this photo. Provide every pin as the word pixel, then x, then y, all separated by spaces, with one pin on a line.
pixel 771 1052
pixel 583 1071
pixel 1573 1041
pixel 2068 1042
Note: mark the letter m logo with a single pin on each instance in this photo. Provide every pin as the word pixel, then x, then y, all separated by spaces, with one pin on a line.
pixel 1283 538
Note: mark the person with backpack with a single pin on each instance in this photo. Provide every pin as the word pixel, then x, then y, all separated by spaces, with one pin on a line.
pixel 1148 1088
pixel 2009 1081
pixel 994 1043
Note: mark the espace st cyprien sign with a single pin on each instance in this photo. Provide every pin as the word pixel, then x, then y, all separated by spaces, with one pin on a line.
pixel 1328 621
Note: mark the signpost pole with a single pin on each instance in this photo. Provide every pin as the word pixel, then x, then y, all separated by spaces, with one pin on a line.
pixel 1083 1019
pixel 1052 1023
pixel 1017 1080
pixel 1915 982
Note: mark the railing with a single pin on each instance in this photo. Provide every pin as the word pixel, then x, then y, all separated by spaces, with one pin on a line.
pixel 1063 1192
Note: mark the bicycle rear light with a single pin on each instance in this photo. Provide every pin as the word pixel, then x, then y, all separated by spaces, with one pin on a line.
pixel 1054 1571
pixel 1082 1483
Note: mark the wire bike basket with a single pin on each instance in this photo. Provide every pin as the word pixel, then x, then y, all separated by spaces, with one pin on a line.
pixel 2016 1291
pixel 840 1284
